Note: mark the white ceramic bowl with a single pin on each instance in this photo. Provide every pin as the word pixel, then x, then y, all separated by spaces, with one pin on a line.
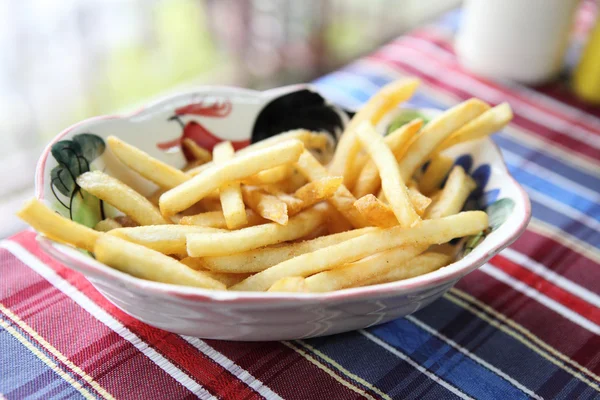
pixel 216 113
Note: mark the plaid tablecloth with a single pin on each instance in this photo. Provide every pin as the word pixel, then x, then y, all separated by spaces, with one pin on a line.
pixel 525 325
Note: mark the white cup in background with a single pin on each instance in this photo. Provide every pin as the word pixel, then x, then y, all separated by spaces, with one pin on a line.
pixel 520 40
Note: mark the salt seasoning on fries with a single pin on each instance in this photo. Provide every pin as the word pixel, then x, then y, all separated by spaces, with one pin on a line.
pixel 271 217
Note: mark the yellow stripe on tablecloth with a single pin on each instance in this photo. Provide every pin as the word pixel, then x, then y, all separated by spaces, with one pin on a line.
pixel 52 350
pixel 534 343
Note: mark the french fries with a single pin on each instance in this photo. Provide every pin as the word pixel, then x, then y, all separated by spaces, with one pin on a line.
pixel 428 232
pixel 260 259
pixel 272 217
pixel 121 197
pixel 393 185
pixel 220 244
pixel 58 228
pixel 434 175
pixel 457 189
pixel 146 263
pixel 164 239
pixel 369 180
pixel 436 131
pixel 234 210
pixel 183 196
pixel 266 205
pixel 149 167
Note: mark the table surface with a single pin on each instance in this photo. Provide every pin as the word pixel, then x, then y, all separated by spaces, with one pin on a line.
pixel 525 325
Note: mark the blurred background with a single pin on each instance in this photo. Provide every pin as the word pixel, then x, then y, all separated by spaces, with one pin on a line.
pixel 67 60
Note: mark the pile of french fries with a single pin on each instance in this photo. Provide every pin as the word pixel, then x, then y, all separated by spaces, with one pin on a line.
pixel 271 217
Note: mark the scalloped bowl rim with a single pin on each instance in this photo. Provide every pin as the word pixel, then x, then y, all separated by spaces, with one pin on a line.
pixel 93 269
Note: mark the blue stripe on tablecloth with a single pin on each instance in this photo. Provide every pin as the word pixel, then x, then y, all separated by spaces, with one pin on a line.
pixel 378 366
pixel 29 377
pixel 498 348
pixel 335 85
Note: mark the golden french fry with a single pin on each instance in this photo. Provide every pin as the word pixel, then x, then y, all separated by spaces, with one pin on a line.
pixel 121 196
pixel 200 154
pixel 434 175
pixel 426 233
pixel 216 219
pixel 343 200
pixel 232 203
pixel 289 284
pixel 273 175
pixel 457 189
pixel 56 227
pixel 226 278
pixel 260 259
pixel 420 265
pixel 318 190
pixel 106 225
pixel 238 168
pixel 335 222
pixel 368 180
pixel 489 122
pixel 380 104
pixel 166 239
pixel 145 263
pixel 419 201
pixel 220 244
pixel 436 131
pixel 392 183
pixel 377 213
pixel 147 166
pixel 266 205
pixel 353 274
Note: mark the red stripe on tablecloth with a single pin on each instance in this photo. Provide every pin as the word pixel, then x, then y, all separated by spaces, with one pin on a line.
pixel 561 333
pixel 557 90
pixel 197 365
pixel 519 119
pixel 542 285
pixel 560 259
pixel 281 386
pixel 86 337
pixel 280 367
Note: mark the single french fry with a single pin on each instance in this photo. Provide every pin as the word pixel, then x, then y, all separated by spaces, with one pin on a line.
pixel 353 274
pixel 120 196
pixel 289 284
pixel 260 259
pixel 368 180
pixel 457 189
pixel 220 244
pixel 147 166
pixel 226 278
pixel 426 233
pixel 434 175
pixel 489 122
pixel 145 263
pixel 273 175
pixel 436 131
pixel 56 227
pixel 392 183
pixel 342 200
pixel 166 239
pixel 377 213
pixel 420 265
pixel 106 225
pixel 200 154
pixel 232 203
pixel 379 105
pixel 318 190
pixel 419 201
pixel 216 219
pixel 238 168
pixel 266 205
